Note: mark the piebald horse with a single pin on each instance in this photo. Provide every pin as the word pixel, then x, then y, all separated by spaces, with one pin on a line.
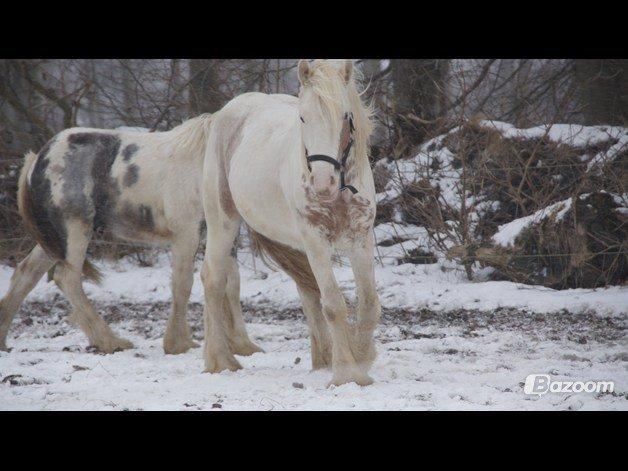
pixel 296 171
pixel 129 186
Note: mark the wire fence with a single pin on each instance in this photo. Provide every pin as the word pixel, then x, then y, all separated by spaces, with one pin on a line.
pixel 410 241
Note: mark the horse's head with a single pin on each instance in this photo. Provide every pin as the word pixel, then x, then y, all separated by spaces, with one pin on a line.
pixel 326 122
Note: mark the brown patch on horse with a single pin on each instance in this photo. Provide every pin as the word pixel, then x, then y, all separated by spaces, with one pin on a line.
pixel 91 272
pixel 292 261
pixel 345 136
pixel 342 217
pixel 138 221
pixel 230 142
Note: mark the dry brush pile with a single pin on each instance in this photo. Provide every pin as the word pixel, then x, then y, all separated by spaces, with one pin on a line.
pixel 545 205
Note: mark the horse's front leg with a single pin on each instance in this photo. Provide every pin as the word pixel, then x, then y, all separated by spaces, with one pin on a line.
pixel 344 366
pixel 369 309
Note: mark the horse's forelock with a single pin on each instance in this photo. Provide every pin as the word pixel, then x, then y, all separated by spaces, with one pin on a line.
pixel 328 83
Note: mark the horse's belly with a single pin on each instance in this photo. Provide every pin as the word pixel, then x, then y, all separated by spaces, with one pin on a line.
pixel 260 202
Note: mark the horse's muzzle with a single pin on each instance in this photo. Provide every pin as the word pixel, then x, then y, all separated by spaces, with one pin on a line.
pixel 325 185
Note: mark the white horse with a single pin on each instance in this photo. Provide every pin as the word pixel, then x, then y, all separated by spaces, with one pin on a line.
pixel 296 171
pixel 137 187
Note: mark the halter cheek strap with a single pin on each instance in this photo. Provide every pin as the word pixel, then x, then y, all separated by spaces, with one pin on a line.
pixel 340 166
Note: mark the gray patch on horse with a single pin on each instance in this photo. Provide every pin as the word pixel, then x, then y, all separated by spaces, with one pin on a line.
pixel 45 215
pixel 129 151
pixel 89 159
pixel 131 176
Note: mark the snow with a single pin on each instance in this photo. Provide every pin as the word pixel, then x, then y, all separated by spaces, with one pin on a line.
pixel 508 233
pixel 439 287
pixel 446 363
pixel 574 135
pixel 419 367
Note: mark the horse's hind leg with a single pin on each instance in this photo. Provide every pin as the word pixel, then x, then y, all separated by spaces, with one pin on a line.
pixel 221 233
pixel 320 341
pixel 24 279
pixel 239 341
pixel 68 278
pixel 178 338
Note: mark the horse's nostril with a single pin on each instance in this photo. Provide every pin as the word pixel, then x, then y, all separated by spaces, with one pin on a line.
pixel 332 180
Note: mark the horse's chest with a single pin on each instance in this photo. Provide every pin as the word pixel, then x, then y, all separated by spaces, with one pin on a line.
pixel 342 221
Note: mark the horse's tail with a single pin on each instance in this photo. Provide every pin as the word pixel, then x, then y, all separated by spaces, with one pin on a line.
pixel 294 262
pixel 32 212
pixel 29 161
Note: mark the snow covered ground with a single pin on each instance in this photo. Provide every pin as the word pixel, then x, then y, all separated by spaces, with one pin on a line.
pixel 444 343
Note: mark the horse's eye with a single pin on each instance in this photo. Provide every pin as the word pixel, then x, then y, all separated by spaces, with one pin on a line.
pixel 302 120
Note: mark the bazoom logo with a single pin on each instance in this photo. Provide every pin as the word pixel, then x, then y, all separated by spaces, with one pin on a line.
pixel 541 384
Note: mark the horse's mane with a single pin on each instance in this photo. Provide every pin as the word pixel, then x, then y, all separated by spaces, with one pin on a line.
pixel 190 137
pixel 327 82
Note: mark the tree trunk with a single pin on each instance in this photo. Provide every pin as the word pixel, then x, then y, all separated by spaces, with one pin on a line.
pixel 205 96
pixel 603 85
pixel 419 87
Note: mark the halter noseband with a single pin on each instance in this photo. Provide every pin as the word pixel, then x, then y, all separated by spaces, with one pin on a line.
pixel 340 166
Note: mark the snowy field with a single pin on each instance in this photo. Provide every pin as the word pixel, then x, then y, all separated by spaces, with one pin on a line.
pixel 444 343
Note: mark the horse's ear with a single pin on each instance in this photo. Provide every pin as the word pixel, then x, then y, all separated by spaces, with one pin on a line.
pixel 305 71
pixel 348 70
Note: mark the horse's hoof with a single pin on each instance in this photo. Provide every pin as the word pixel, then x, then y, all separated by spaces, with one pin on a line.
pixel 176 348
pixel 361 379
pixel 246 349
pixel 222 363
pixel 112 345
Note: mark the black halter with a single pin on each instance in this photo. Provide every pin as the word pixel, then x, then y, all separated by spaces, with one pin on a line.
pixel 340 166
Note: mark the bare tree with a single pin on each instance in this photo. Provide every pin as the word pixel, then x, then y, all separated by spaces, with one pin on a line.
pixel 603 85
pixel 419 99
pixel 205 95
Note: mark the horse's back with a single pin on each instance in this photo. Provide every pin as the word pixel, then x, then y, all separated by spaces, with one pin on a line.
pixel 101 178
pixel 272 106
